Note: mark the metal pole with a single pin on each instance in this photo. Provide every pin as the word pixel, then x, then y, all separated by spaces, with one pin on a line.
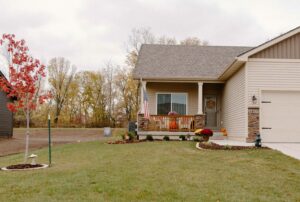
pixel 49 138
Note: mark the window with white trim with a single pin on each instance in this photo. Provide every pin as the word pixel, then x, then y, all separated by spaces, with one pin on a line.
pixel 175 102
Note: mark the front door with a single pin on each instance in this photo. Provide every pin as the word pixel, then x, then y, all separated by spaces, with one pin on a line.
pixel 210 110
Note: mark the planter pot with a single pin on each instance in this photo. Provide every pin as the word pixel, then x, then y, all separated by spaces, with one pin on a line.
pixel 205 138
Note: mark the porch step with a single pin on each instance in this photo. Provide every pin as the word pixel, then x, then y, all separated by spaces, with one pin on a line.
pixel 175 135
pixel 218 136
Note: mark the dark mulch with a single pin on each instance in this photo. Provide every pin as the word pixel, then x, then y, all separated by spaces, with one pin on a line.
pixel 143 140
pixel 214 146
pixel 125 141
pixel 24 166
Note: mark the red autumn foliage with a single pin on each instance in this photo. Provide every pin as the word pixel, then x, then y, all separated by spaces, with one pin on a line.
pixel 25 73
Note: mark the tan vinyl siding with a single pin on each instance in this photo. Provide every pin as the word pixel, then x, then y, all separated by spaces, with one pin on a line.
pixel 287 49
pixel 190 88
pixel 234 105
pixel 272 75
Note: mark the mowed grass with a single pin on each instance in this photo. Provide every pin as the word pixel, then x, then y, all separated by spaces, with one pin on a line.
pixel 153 171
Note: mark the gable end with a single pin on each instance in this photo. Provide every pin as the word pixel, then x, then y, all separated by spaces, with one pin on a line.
pixel 286 49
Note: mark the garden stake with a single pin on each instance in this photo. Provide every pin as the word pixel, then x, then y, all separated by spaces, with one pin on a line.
pixel 49 139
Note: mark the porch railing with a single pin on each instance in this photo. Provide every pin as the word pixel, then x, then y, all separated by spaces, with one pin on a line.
pixel 172 123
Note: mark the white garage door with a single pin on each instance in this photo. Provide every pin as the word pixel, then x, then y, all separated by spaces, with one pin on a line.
pixel 280 116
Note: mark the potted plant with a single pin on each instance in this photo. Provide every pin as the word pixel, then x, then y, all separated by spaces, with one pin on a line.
pixel 173 122
pixel 205 134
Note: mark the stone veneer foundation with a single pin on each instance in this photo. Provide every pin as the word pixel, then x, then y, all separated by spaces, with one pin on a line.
pixel 253 123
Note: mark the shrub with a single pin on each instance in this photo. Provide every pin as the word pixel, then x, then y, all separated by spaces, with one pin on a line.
pixel 123 136
pixel 188 136
pixel 131 135
pixel 196 139
pixel 182 137
pixel 149 138
pixel 172 113
pixel 166 138
pixel 227 146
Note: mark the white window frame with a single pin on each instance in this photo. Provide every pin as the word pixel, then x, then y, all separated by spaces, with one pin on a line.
pixel 186 100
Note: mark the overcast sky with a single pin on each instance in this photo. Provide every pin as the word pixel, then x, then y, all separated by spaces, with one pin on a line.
pixel 90 32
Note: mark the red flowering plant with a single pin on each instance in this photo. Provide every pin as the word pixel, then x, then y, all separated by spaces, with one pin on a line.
pixel 24 80
pixel 172 113
pixel 206 133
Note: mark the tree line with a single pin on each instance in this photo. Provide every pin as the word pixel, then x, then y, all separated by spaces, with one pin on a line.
pixel 108 96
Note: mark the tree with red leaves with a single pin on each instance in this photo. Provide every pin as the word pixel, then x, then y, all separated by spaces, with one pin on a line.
pixel 23 84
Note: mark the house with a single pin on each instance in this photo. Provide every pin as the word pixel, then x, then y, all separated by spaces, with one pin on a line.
pixel 6 116
pixel 245 90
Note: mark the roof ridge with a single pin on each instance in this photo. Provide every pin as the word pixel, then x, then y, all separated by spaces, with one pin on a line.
pixel 180 45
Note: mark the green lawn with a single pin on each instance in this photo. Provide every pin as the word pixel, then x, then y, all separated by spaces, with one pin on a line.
pixel 153 171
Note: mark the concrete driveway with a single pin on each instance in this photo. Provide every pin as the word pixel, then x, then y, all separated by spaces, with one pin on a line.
pixel 290 149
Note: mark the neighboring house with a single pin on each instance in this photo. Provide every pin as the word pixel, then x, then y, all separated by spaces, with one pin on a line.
pixel 244 90
pixel 6 116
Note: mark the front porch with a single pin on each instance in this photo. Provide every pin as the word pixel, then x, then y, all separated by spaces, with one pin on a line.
pixel 198 105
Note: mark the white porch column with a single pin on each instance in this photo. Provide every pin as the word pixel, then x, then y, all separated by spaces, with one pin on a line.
pixel 200 97
pixel 143 86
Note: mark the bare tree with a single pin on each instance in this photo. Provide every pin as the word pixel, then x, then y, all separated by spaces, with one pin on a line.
pixel 109 72
pixel 135 40
pixel 125 86
pixel 193 41
pixel 61 74
pixel 167 40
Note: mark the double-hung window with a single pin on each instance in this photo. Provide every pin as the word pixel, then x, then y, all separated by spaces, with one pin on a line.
pixel 167 102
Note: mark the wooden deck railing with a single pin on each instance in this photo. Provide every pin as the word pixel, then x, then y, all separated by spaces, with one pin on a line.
pixel 172 123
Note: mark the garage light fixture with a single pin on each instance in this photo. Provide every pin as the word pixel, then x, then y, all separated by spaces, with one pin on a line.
pixel 254 100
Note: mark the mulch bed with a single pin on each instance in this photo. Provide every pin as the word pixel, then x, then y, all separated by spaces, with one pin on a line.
pixel 126 141
pixel 214 146
pixel 138 141
pixel 24 166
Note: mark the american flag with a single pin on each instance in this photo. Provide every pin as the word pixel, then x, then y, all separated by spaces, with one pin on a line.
pixel 146 107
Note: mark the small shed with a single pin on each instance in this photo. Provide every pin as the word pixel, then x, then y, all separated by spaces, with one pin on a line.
pixel 6 116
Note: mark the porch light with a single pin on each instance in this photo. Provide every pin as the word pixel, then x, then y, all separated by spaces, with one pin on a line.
pixel 254 99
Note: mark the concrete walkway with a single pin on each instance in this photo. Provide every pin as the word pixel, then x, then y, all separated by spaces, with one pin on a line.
pixel 290 149
pixel 232 143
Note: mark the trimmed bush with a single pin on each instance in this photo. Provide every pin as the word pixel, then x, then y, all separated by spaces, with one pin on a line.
pixel 166 138
pixel 131 136
pixel 149 138
pixel 182 137
pixel 123 136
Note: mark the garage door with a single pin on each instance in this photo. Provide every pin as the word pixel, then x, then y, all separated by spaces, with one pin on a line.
pixel 280 116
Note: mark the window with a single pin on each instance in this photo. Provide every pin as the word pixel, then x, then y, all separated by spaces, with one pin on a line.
pixel 167 102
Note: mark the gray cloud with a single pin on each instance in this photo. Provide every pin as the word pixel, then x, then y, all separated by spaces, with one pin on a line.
pixel 90 32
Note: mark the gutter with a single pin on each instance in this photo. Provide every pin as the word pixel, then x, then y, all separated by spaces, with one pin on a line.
pixel 232 68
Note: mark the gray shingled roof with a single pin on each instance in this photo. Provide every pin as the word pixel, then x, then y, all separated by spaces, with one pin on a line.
pixel 184 62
